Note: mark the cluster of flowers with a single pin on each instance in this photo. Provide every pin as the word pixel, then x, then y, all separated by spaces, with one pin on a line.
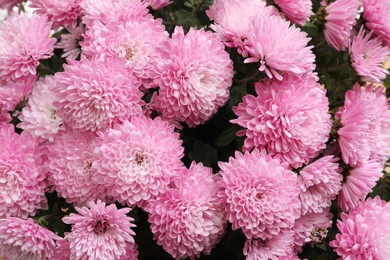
pixel 89 134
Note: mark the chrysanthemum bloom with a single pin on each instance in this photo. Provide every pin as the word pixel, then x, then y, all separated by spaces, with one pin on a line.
pixel 24 40
pixel 368 56
pixel 312 228
pixel 363 121
pixel 22 184
pixel 24 239
pixel 273 248
pixel 358 183
pixel 364 232
pixel 15 91
pixel 70 43
pixel 157 4
pixel 340 17
pixel 261 194
pixel 39 117
pixel 232 19
pixel 288 118
pixel 62 251
pixel 279 47
pixel 9 4
pixel 135 42
pixel 93 95
pixel 194 78
pixel 138 158
pixel 376 15
pixel 298 11
pixel 99 232
pixel 189 219
pixel 319 183
pixel 61 13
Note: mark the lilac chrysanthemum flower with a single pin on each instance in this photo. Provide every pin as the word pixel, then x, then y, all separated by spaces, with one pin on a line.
pixel 157 4
pixel 189 219
pixel 39 117
pixel 274 120
pixel 279 47
pixel 271 249
pixel 100 232
pixel 59 12
pixel 24 239
pixel 358 183
pixel 138 158
pixel 298 11
pixel 261 194
pixel 232 19
pixel 368 56
pixel 319 183
pixel 70 43
pixel 22 183
pixel 376 15
pixel 194 77
pixel 363 125
pixel 364 232
pixel 24 40
pixel 340 17
pixel 93 95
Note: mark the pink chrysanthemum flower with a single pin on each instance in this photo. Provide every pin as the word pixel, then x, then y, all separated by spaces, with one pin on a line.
pixel 70 43
pixel 340 17
pixel 61 13
pixel 194 78
pixel 261 194
pixel 319 183
pixel 364 121
pixel 62 251
pixel 14 92
pixel 279 47
pixel 93 95
pixel 24 40
pixel 100 232
pixel 138 158
pixel 189 219
pixel 364 232
pixel 358 183
pixel 39 117
pixel 9 4
pixel 234 17
pixel 368 56
pixel 157 4
pixel 22 184
pixel 298 11
pixel 271 249
pixel 24 239
pixel 276 121
pixel 312 228
pixel 376 15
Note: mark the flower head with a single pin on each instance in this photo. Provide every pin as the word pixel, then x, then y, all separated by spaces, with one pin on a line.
pixel 70 43
pixel 376 15
pixel 15 91
pixel 298 11
pixel 157 4
pixel 9 4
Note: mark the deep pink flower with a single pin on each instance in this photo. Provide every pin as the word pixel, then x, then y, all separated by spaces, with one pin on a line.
pixel 189 219
pixel 157 4
pixel 364 232
pixel 261 194
pixel 24 239
pixel 298 11
pixel 340 17
pixel 70 43
pixel 368 56
pixel 288 118
pixel 376 15
pixel 195 77
pixel 24 40
pixel 100 232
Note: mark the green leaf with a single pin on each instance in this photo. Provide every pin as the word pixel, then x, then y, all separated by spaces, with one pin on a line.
pixel 227 136
pixel 204 153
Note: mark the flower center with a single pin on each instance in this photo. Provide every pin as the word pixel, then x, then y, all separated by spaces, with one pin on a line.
pixel 129 53
pixel 100 227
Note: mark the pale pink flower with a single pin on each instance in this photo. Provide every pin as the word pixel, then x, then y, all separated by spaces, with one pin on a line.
pixel 298 11
pixel 157 4
pixel 364 232
pixel 93 95
pixel 272 249
pixel 62 251
pixel 15 91
pixel 137 159
pixel 195 77
pixel 376 15
pixel 9 4
pixel 100 232
pixel 22 184
pixel 288 118
pixel 368 56
pixel 340 17
pixel 261 194
pixel 189 219
pixel 358 183
pixel 70 43
pixel 319 183
pixel 24 40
